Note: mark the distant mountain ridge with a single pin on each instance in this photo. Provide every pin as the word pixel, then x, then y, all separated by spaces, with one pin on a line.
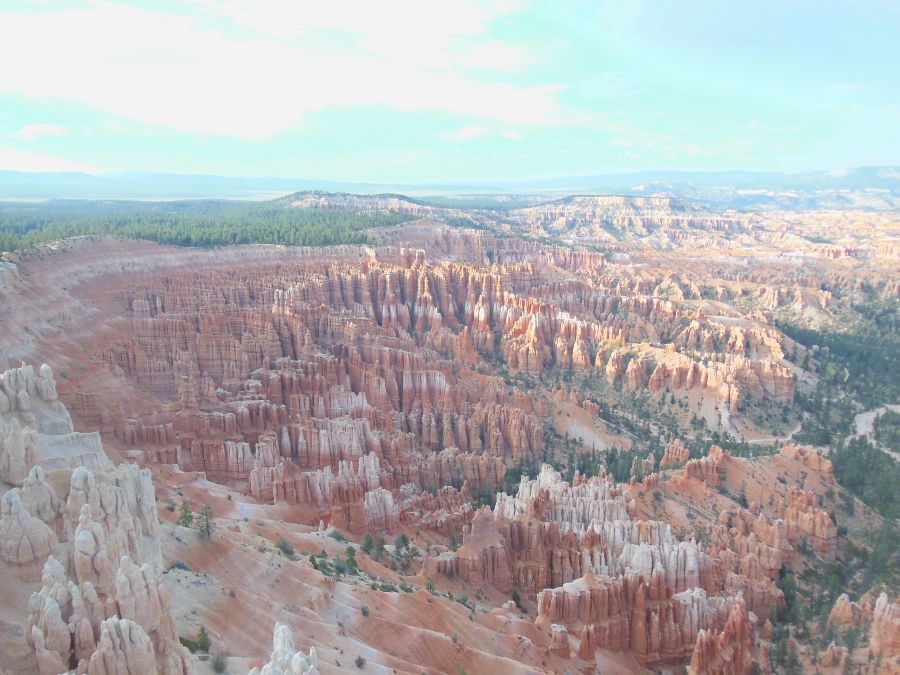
pixel 874 188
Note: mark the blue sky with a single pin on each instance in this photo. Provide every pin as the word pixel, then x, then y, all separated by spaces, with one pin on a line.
pixel 424 91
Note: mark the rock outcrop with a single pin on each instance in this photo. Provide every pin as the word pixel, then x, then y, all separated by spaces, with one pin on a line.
pixel 805 520
pixel 885 637
pixel 674 455
pixel 285 660
pixel 105 613
pixel 844 614
pixel 25 540
pixel 707 469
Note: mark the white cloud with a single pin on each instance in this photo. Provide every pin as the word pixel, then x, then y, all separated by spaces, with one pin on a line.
pixel 252 70
pixel 511 135
pixel 34 132
pixel 496 56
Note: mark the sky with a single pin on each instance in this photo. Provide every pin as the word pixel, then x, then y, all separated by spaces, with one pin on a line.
pixel 419 91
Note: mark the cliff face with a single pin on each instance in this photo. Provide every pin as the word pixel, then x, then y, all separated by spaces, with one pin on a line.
pixel 103 609
pixel 611 218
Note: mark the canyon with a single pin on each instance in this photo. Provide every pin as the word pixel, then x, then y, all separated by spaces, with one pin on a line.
pixel 435 407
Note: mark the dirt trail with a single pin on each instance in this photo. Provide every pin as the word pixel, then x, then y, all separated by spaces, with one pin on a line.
pixel 865 425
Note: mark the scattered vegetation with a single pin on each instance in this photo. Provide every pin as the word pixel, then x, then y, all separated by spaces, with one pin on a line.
pixel 201 644
pixel 337 535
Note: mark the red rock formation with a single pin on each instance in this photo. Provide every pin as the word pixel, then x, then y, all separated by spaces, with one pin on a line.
pixel 559 641
pixel 674 455
pixel 844 614
pixel 640 468
pixel 615 367
pixel 380 510
pixel 362 387
pixel 834 656
pixel 804 519
pixel 725 652
pixel 707 468
pixel 885 635
pixel 448 512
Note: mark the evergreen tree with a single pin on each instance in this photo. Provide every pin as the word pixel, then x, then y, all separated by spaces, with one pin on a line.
pixel 203 640
pixel 368 544
pixel 185 517
pixel 205 523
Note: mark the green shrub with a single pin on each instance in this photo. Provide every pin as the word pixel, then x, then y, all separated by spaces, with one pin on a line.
pixel 203 640
pixel 286 549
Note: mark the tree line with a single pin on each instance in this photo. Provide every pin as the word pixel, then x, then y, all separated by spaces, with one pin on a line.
pixel 200 223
